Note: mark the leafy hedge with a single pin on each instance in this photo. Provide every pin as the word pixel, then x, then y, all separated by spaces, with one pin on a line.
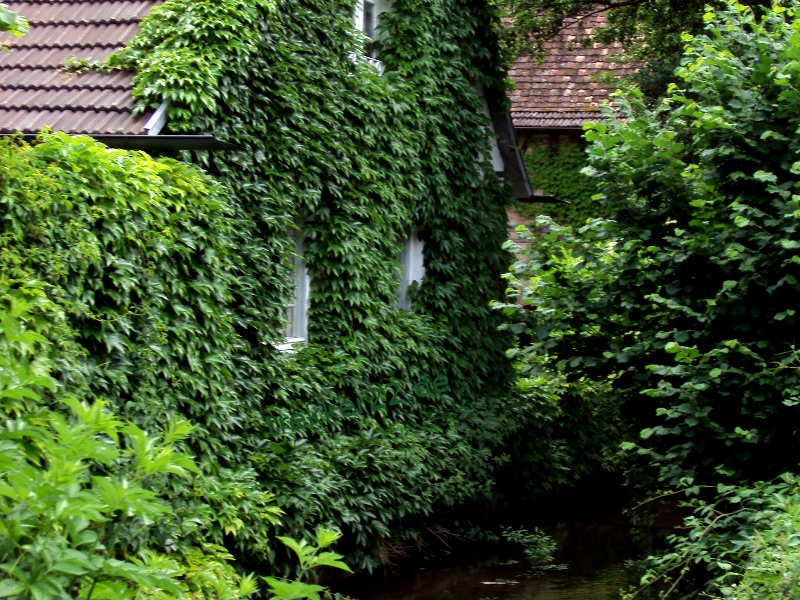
pixel 176 286
pixel 140 256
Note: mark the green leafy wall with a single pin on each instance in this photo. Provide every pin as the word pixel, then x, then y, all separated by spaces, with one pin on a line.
pixel 358 159
pixel 555 170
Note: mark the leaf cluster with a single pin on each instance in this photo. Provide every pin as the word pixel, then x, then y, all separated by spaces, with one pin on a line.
pixel 11 22
pixel 743 543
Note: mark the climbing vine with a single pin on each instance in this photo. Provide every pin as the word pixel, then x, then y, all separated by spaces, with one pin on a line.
pixel 354 161
pixel 556 171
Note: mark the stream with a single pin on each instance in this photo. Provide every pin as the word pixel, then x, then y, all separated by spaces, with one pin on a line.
pixel 594 556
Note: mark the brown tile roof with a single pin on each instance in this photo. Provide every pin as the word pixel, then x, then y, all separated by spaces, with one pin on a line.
pixel 36 91
pixel 560 92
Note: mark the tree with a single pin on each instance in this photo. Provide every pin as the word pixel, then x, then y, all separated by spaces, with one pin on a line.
pixel 686 300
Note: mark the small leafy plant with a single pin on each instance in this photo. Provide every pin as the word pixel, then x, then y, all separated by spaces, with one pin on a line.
pixel 538 546
pixel 310 558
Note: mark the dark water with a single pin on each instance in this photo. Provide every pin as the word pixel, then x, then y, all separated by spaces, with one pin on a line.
pixel 594 556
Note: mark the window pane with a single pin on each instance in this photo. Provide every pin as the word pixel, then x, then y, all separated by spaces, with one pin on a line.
pixel 413 264
pixel 369 19
pixel 297 306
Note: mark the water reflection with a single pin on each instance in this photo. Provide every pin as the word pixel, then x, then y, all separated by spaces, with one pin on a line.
pixel 595 557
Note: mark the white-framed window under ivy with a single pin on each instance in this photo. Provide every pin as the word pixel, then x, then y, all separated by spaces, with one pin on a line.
pixel 297 308
pixel 412 260
pixel 366 17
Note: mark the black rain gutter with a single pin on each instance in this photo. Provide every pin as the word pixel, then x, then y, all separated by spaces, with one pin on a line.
pixel 543 199
pixel 150 143
pixel 550 129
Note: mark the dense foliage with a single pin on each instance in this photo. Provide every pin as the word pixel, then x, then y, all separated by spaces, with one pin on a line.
pixel 75 481
pixel 744 542
pixel 684 301
pixel 176 288
pixel 355 161
pixel 573 424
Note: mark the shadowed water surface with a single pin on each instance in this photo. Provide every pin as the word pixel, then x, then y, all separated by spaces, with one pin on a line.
pixel 595 556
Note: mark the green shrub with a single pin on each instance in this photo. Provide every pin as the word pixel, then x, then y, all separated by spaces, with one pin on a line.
pixel 743 544
pixel 138 253
pixel 573 424
pixel 539 548
pixel 683 301
pixel 74 479
pixel 771 569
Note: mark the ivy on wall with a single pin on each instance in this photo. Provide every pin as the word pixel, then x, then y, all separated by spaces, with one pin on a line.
pixel 354 160
pixel 555 170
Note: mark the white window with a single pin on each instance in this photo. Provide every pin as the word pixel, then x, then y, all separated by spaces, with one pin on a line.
pixel 368 19
pixel 297 308
pixel 413 264
pixel 366 16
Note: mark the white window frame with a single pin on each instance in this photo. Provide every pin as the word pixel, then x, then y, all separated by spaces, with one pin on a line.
pixel 412 258
pixel 498 163
pixel 297 330
pixel 359 20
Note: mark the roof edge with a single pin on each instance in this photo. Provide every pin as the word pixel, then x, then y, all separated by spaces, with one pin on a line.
pixel 148 143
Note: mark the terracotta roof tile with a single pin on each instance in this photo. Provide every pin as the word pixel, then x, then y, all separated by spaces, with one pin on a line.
pixel 562 91
pixel 35 90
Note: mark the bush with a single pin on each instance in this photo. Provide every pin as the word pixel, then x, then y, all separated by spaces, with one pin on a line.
pixel 75 479
pixel 573 423
pixel 742 544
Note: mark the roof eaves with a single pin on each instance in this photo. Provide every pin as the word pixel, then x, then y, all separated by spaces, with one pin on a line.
pixel 149 143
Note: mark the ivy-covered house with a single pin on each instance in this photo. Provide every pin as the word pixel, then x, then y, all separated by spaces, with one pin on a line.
pixel 356 372
pixel 550 103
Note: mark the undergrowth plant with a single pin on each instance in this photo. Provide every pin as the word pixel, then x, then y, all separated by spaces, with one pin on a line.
pixel 311 557
pixel 743 543
pixel 75 481
pixel 74 478
pixel 538 546
pixel 574 424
